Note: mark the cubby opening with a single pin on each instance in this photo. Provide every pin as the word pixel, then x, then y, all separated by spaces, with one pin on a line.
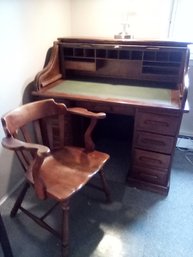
pixel 89 53
pixel 162 56
pixel 101 53
pixel 149 55
pixel 68 51
pixel 124 54
pixel 112 54
pixel 158 70
pixel 136 55
pixel 176 56
pixel 79 52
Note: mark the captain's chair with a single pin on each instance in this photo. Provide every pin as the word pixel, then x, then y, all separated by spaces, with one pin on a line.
pixel 36 132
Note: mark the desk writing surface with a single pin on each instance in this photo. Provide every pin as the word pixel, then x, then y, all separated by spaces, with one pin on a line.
pixel 105 92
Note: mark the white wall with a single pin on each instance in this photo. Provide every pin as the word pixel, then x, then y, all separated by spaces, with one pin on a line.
pixel 27 29
pixel 102 18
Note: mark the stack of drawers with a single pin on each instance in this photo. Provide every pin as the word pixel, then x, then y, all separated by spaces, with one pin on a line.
pixel 153 148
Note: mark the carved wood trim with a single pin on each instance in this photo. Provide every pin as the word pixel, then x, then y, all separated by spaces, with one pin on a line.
pixel 51 72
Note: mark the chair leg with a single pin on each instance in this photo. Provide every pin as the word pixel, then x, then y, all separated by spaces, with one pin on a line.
pixel 105 186
pixel 65 228
pixel 19 200
pixel 4 240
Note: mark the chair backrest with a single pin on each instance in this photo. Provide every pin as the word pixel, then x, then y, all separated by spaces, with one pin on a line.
pixel 40 122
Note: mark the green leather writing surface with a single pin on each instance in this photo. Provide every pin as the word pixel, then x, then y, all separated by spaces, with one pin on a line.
pixel 109 91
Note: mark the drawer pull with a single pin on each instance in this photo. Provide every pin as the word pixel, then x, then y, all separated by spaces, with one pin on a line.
pixel 152 142
pixel 150 160
pixel 156 123
pixel 148 176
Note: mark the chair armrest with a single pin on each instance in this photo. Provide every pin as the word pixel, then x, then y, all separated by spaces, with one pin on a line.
pixel 12 143
pixel 84 112
pixel 94 117
pixel 40 152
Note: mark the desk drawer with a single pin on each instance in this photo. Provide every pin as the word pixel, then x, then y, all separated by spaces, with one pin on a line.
pixel 150 175
pixel 151 159
pixel 158 123
pixel 154 142
pixel 107 107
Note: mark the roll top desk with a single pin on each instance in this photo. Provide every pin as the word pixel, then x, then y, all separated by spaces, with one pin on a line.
pixel 143 79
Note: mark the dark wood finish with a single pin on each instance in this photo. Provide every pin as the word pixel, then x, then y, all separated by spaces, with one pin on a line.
pixel 124 41
pixel 154 142
pixel 36 132
pixel 141 63
pixel 4 240
pixel 151 159
pixel 157 123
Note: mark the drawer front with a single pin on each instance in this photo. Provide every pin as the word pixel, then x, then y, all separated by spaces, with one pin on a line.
pixel 158 123
pixel 107 107
pixel 154 142
pixel 151 159
pixel 150 175
pixel 78 65
pixel 94 106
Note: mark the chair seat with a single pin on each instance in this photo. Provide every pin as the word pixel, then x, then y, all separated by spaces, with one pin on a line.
pixel 65 171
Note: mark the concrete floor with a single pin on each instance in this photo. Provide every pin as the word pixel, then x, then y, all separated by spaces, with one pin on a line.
pixel 136 224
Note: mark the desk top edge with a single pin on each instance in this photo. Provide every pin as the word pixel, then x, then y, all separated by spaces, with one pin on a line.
pixel 150 42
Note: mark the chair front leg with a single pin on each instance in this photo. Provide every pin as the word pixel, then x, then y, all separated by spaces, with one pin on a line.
pixel 4 240
pixel 19 200
pixel 65 228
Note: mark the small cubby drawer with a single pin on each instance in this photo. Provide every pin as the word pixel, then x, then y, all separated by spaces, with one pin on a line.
pixel 159 123
pixel 151 159
pixel 80 65
pixel 154 142
pixel 150 175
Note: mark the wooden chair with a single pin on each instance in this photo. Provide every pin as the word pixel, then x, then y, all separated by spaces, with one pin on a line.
pixel 54 169
pixel 4 240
